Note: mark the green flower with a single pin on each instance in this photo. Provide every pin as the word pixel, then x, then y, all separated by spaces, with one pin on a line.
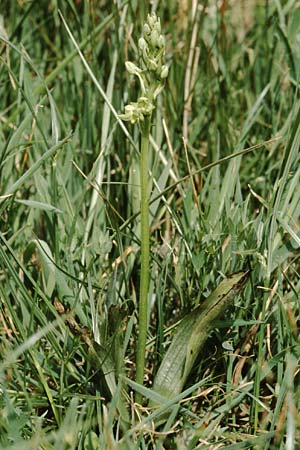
pixel 136 111
pixel 151 74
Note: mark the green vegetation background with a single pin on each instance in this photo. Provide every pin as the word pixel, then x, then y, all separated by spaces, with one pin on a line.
pixel 69 183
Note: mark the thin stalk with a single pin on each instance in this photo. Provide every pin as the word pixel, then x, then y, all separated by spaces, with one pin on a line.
pixel 145 238
pixel 151 75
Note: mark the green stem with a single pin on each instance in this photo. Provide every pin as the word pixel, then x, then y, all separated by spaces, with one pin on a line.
pixel 145 269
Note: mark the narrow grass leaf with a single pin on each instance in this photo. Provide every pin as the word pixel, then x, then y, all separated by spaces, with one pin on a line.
pixel 40 205
pixel 290 156
pixel 35 166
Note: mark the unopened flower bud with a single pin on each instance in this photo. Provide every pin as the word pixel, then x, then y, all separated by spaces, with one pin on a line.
pixel 161 41
pixel 142 44
pixel 151 19
pixel 146 29
pixel 132 68
pixel 164 72
pixel 154 38
pixel 158 26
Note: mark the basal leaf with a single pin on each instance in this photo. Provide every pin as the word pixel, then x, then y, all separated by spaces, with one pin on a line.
pixel 191 334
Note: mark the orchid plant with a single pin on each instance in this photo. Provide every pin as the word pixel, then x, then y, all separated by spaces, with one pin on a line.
pixel 151 73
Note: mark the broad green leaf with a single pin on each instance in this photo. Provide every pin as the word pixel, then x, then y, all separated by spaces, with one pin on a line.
pixel 191 334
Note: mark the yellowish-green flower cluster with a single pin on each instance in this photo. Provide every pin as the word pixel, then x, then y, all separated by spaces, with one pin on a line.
pixel 151 74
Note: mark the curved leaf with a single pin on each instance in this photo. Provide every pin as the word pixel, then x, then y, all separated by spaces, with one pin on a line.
pixel 192 333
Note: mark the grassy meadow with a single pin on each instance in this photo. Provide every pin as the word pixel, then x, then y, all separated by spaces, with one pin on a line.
pixel 224 197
